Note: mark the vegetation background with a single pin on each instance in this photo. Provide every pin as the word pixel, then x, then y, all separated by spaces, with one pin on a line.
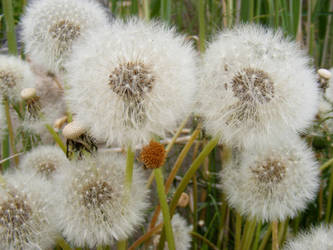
pixel 309 22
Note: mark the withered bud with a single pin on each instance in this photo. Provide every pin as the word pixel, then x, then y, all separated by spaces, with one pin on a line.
pixel 28 93
pixel 73 130
pixel 183 200
pixel 59 122
pixel 153 155
pixel 324 73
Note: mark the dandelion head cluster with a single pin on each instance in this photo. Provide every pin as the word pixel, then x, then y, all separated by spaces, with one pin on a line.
pixel 15 75
pixel 50 27
pixel 255 84
pixel 24 215
pixel 134 79
pixel 319 238
pixel 45 161
pixel 94 207
pixel 272 183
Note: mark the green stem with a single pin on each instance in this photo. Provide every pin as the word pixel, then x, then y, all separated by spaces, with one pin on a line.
pixel 204 239
pixel 326 165
pixel 10 26
pixel 129 167
pixel 146 9
pixel 249 234
pixel 202 31
pixel 5 150
pixel 122 245
pixel 56 138
pixel 266 238
pixel 191 171
pixel 165 10
pixel 257 238
pixel 165 208
pixel 10 130
pixel 63 244
pixel 238 231
pixel 329 198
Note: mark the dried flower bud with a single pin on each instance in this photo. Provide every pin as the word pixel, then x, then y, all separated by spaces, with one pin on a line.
pixel 59 122
pixel 183 200
pixel 28 94
pixel 153 155
pixel 73 130
pixel 324 73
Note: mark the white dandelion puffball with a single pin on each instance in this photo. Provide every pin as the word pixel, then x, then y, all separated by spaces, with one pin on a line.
pixel 255 84
pixel 274 182
pixel 131 81
pixel 49 28
pixel 94 207
pixel 45 161
pixel 181 232
pixel 24 214
pixel 15 75
pixel 319 238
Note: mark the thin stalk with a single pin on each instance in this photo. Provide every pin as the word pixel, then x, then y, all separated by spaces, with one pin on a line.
pixel 275 238
pixel 10 130
pixel 56 138
pixel 146 9
pixel 100 248
pixel 238 231
pixel 165 208
pixel 326 165
pixel 145 237
pixel 169 147
pixel 202 26
pixel 329 198
pixel 266 238
pixel 63 244
pixel 249 235
pixel 129 167
pixel 5 150
pixel 174 171
pixel 165 11
pixel 10 26
pixel 204 239
pixel 257 237
pixel 122 245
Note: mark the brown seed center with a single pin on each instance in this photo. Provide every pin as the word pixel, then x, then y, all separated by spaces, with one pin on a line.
pixel 271 171
pixel 7 80
pixel 253 86
pixel 46 168
pixel 14 213
pixel 65 31
pixel 97 193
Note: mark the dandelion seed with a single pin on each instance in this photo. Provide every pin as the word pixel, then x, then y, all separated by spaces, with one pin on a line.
pixel 50 27
pixel 128 87
pixel 93 205
pixel 272 182
pixel 255 84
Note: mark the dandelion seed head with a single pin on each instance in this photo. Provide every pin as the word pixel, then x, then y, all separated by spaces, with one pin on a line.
pixel 24 214
pixel 319 238
pixel 51 27
pixel 132 85
pixel 15 75
pixel 45 161
pixel 272 182
pixel 96 207
pixel 254 84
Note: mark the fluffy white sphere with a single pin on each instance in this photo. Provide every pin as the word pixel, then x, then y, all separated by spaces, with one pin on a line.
pixel 45 161
pixel 15 75
pixel 93 205
pixel 49 28
pixel 255 84
pixel 319 238
pixel 24 214
pixel 273 182
pixel 131 81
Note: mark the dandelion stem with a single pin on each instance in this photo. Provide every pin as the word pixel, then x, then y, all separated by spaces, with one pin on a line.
pixel 56 138
pixel 329 198
pixel 202 31
pixel 10 130
pixel 238 231
pixel 204 239
pixel 129 167
pixel 145 237
pixel 146 9
pixel 326 164
pixel 165 209
pixel 266 238
pixel 275 238
pixel 63 244
pixel 5 151
pixel 257 237
pixel 122 245
pixel 10 26
pixel 169 146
